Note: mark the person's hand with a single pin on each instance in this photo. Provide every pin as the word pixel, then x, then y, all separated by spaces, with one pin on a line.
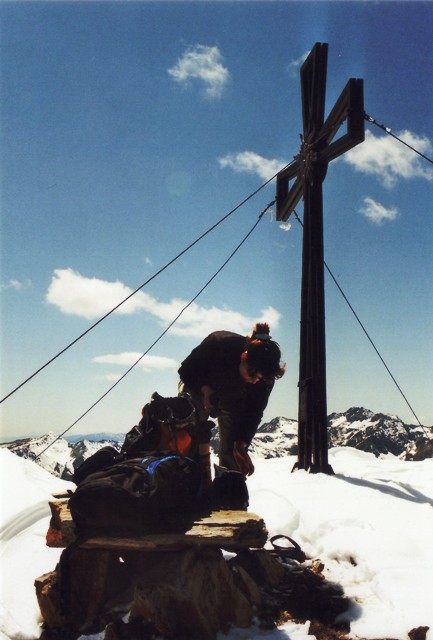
pixel 242 458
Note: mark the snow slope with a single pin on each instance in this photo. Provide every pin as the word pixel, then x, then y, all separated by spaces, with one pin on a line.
pixel 371 524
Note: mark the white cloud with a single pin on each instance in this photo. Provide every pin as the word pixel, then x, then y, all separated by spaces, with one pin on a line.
pixel 251 162
pixel 16 284
pixel 200 321
pixel 204 64
pixel 296 64
pixel 128 358
pixel 110 377
pixel 376 212
pixel 92 298
pixel 389 160
pixel 286 226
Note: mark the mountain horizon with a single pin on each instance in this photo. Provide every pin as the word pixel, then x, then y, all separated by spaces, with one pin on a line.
pixel 377 433
pixel 97 436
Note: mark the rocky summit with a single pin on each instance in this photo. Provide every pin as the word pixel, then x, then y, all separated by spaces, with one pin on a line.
pixel 376 433
pixel 360 428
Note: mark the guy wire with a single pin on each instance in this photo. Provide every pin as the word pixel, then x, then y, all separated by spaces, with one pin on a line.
pixel 366 333
pixel 164 332
pixel 389 132
pixel 168 264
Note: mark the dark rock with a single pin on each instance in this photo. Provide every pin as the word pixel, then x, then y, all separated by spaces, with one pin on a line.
pixel 420 633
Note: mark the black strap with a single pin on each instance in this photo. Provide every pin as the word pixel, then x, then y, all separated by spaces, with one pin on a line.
pixel 295 552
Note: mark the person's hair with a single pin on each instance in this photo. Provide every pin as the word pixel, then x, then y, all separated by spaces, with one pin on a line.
pixel 263 353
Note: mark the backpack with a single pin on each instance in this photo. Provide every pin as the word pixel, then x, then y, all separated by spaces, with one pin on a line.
pixel 101 459
pixel 165 426
pixel 135 496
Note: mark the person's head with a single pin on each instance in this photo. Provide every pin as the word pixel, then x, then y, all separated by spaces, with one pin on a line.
pixel 262 357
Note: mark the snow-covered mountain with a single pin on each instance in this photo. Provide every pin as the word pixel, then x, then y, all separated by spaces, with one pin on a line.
pixel 360 428
pixel 61 457
pixel 376 433
pixel 276 439
pixel 97 437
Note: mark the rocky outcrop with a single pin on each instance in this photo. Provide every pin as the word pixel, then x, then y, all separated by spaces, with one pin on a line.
pixel 419 450
pixel 191 593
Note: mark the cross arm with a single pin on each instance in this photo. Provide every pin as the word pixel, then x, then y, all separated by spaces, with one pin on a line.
pixel 349 107
pixel 313 87
pixel 287 200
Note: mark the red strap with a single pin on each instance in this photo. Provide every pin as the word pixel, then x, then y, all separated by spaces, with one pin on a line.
pixel 176 440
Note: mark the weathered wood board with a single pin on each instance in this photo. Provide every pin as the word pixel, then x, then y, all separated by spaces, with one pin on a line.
pixel 229 530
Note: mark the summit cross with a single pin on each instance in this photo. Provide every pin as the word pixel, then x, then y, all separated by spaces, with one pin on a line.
pixel 309 168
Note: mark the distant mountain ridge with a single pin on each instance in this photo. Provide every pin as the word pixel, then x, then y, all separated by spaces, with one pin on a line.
pixel 61 457
pixel 376 433
pixel 97 437
pixel 357 427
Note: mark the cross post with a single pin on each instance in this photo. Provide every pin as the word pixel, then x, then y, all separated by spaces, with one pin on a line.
pixel 309 168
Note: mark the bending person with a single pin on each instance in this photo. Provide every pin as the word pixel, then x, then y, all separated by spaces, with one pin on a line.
pixel 230 377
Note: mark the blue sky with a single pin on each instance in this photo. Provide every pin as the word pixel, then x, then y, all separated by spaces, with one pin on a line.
pixel 130 128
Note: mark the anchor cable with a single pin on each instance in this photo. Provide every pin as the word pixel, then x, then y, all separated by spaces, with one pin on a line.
pixel 168 264
pixel 367 334
pixel 389 132
pixel 104 395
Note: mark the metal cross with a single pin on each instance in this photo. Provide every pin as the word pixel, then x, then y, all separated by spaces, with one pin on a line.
pixel 318 148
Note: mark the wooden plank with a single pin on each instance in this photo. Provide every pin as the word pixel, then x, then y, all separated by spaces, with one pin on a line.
pixel 225 529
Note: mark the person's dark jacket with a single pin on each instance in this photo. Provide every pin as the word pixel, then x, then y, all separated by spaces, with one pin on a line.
pixel 215 363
